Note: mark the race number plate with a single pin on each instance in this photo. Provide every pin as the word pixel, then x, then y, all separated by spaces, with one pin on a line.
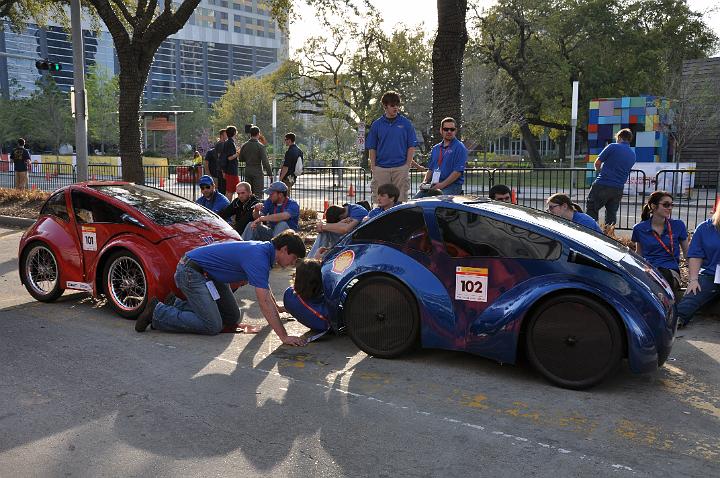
pixel 89 239
pixel 471 284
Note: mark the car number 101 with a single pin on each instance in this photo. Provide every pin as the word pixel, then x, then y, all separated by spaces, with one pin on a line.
pixel 471 284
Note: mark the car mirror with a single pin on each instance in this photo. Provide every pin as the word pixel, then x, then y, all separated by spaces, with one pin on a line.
pixel 127 218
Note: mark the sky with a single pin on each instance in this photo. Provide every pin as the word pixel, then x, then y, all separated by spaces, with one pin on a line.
pixel 416 12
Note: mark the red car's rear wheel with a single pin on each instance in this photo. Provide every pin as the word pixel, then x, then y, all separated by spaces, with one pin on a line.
pixel 40 272
pixel 125 283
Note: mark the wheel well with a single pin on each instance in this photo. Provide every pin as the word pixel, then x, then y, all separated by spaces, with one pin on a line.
pixel 538 303
pixel 356 280
pixel 99 284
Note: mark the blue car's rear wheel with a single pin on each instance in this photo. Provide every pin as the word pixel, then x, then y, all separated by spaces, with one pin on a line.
pixel 574 341
pixel 381 316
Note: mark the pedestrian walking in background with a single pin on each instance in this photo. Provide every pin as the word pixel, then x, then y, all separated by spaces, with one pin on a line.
pixel 254 156
pixel 613 165
pixel 292 156
pixel 391 145
pixel 221 159
pixel 21 163
pixel 232 171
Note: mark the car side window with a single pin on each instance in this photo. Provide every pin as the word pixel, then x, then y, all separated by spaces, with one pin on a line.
pixel 89 209
pixel 56 206
pixel 467 234
pixel 405 227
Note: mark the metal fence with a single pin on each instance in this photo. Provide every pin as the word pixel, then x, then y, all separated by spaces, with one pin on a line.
pixel 695 191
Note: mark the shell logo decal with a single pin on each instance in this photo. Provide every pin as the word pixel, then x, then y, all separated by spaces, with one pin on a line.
pixel 343 261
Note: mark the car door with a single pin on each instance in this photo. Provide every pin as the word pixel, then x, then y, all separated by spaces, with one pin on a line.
pixel 482 260
pixel 96 223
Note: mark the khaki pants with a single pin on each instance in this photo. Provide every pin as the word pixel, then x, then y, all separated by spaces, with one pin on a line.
pixel 399 176
pixel 21 179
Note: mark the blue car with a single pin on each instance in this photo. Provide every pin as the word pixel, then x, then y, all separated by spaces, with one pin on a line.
pixel 495 279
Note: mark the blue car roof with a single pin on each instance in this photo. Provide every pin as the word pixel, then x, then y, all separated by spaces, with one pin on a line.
pixel 554 225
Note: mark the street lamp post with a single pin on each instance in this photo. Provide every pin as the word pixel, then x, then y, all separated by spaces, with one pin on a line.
pixel 573 124
pixel 176 130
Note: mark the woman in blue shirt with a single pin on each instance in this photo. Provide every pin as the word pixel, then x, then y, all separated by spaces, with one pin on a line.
pixel 703 257
pixel 305 300
pixel 561 205
pixel 659 239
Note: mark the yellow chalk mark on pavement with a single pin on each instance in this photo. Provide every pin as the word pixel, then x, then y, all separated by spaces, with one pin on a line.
pixel 690 444
pixel 692 391
pixel 475 401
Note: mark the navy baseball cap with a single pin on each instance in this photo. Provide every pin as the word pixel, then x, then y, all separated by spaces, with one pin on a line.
pixel 206 181
pixel 277 186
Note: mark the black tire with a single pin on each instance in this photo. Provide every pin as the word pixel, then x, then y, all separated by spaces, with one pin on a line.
pixel 41 272
pixel 574 341
pixel 125 284
pixel 382 318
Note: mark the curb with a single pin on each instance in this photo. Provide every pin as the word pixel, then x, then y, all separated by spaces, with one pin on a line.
pixel 16 222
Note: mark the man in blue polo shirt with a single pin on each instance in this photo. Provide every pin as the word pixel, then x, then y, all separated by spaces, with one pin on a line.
pixel 616 161
pixel 446 169
pixel 391 146
pixel 275 215
pixel 339 220
pixel 204 275
pixel 210 197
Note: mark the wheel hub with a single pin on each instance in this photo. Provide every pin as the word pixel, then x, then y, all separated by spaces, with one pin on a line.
pixel 571 340
pixel 380 317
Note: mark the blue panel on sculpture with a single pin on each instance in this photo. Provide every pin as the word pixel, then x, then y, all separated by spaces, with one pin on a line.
pixel 595 150
pixel 625 116
pixel 592 136
pixel 645 155
pixel 609 119
pixel 593 117
pixel 626 102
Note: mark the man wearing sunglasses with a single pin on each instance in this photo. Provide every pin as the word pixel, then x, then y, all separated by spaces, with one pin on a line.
pixel 210 197
pixel 446 169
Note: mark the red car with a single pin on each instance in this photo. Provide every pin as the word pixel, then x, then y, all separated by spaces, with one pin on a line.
pixel 114 238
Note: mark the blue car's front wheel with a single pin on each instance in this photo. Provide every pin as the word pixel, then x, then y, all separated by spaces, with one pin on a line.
pixel 381 316
pixel 574 341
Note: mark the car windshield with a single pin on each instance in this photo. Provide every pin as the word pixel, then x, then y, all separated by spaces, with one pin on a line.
pixel 161 207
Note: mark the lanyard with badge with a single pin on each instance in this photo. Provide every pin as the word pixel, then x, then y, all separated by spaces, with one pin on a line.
pixel 670 250
pixel 282 207
pixel 436 173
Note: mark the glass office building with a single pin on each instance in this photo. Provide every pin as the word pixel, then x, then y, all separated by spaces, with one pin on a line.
pixel 222 41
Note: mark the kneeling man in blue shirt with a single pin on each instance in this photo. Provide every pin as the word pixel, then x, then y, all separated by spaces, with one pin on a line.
pixel 204 275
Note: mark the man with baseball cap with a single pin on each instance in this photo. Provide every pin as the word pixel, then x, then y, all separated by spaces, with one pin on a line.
pixel 273 216
pixel 211 198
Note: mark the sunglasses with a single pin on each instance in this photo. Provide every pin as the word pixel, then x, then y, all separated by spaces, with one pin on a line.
pixel 205 186
pixel 447 130
pixel 550 207
pixel 666 205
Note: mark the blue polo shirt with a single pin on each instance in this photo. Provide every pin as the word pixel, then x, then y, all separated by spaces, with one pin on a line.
pixel 391 139
pixel 357 212
pixel 216 203
pixel 378 210
pixel 705 245
pixel 289 205
pixel 453 157
pixel 585 220
pixel 617 160
pixel 236 261
pixel 652 251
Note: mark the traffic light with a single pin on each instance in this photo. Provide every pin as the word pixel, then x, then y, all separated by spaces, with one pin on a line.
pixel 47 65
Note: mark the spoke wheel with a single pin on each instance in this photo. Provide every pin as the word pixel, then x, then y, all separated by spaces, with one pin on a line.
pixel 125 284
pixel 382 318
pixel 41 274
pixel 574 341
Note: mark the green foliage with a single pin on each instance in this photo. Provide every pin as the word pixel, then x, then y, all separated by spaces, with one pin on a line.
pixel 102 93
pixel 48 113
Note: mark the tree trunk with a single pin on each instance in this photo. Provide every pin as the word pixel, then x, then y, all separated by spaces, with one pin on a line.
pixel 530 145
pixel 562 144
pixel 447 60
pixel 132 82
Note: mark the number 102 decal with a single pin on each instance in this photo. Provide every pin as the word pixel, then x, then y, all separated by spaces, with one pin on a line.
pixel 471 284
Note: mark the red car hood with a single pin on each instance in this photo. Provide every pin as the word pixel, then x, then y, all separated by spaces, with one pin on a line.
pixel 187 236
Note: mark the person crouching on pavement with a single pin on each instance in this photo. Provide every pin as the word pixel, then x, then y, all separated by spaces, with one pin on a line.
pixel 210 197
pixel 339 220
pixel 305 299
pixel 275 215
pixel 204 276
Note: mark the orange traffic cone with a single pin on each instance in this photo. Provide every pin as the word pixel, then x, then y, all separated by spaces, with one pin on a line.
pixel 326 205
pixel 351 191
pixel 34 187
pixel 162 182
pixel 717 202
pixel 513 196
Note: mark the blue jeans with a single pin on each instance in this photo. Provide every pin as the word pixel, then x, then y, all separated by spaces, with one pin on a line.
pixel 452 190
pixel 263 232
pixel 691 303
pixel 601 195
pixel 324 239
pixel 199 314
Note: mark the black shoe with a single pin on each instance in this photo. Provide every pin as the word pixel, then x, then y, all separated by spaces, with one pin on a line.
pixel 146 316
pixel 170 299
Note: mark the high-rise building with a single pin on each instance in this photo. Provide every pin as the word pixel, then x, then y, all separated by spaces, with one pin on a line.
pixel 222 41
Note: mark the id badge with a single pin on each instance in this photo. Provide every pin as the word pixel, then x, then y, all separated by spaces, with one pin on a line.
pixel 717 274
pixel 435 177
pixel 213 290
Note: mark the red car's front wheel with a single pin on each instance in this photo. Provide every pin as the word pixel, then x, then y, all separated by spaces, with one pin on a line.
pixel 125 283
pixel 40 272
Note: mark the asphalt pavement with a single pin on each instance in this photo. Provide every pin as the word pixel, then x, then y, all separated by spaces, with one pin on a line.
pixel 83 394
